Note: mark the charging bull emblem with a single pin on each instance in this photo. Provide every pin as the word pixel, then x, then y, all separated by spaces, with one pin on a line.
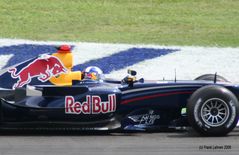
pixel 42 68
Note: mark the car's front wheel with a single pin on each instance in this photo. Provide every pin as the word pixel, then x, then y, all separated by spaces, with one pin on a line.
pixel 213 110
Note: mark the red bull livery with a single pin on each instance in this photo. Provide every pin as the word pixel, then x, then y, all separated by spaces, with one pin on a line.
pixel 92 105
pixel 41 68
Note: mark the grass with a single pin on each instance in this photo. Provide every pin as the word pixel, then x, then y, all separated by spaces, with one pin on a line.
pixel 165 22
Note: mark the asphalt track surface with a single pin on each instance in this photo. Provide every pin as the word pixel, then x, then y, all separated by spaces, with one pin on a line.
pixel 75 143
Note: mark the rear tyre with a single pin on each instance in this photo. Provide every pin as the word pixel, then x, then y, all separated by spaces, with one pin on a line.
pixel 213 111
pixel 210 77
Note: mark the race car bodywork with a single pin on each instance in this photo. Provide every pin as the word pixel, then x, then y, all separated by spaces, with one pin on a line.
pixel 128 104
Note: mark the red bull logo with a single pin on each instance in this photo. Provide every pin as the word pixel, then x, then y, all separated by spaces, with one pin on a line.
pixel 92 105
pixel 41 68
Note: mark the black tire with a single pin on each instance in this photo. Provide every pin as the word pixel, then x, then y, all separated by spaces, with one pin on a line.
pixel 216 102
pixel 210 77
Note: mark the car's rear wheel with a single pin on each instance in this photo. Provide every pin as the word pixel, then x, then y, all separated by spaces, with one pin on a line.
pixel 211 77
pixel 213 110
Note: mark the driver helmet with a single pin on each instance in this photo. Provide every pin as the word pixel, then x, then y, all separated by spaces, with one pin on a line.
pixel 93 73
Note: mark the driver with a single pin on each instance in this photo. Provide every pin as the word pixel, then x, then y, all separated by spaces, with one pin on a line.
pixel 93 73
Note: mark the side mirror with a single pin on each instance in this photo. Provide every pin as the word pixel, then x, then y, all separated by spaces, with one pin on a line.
pixel 141 80
pixel 132 72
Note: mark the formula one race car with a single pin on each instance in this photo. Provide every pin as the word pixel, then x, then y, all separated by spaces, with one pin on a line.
pixel 31 99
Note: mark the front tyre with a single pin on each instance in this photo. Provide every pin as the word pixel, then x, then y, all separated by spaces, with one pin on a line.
pixel 213 110
pixel 210 77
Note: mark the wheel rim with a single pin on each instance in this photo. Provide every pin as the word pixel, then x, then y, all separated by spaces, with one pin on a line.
pixel 215 112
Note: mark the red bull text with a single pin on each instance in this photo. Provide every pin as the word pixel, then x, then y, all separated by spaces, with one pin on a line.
pixel 92 105
pixel 41 68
